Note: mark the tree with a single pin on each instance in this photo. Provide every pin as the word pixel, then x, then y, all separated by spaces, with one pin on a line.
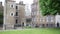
pixel 1 16
pixel 49 7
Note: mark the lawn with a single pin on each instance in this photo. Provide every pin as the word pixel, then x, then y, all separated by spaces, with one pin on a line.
pixel 33 31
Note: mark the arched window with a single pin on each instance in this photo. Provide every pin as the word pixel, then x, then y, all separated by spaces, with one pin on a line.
pixel 12 14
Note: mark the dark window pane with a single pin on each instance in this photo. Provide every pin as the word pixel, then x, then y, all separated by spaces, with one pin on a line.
pixel 16 13
pixel 16 7
pixel 11 5
pixel 16 21
pixel 11 14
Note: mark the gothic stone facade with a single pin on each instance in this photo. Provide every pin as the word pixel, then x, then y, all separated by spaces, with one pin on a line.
pixel 38 19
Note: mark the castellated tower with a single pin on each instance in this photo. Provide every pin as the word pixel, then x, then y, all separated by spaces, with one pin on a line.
pixel 9 12
pixel 14 13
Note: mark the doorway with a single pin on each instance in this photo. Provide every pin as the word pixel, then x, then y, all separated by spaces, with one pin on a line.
pixel 23 24
pixel 57 24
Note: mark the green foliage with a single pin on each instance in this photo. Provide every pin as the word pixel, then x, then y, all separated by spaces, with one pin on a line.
pixel 1 21
pixel 49 7
pixel 1 17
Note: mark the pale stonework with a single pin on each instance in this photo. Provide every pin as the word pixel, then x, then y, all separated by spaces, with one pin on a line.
pixel 37 17
pixel 13 14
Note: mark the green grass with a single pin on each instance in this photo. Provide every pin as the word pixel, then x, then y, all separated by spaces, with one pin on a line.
pixel 33 31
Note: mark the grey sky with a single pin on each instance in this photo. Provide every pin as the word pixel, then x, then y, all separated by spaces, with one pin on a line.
pixel 25 1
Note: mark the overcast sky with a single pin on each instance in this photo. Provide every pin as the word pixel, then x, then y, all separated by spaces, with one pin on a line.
pixel 25 1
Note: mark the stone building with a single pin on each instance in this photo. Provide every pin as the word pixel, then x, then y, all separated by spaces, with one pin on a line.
pixel 35 13
pixel 28 15
pixel 28 20
pixel 14 14
pixel 38 19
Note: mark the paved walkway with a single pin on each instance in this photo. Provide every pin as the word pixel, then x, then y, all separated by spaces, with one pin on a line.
pixel 1 28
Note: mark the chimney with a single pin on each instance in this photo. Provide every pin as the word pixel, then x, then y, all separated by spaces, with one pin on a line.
pixel 21 2
pixel 8 0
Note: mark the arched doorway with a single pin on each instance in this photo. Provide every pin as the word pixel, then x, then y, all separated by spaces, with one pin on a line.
pixel 57 24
